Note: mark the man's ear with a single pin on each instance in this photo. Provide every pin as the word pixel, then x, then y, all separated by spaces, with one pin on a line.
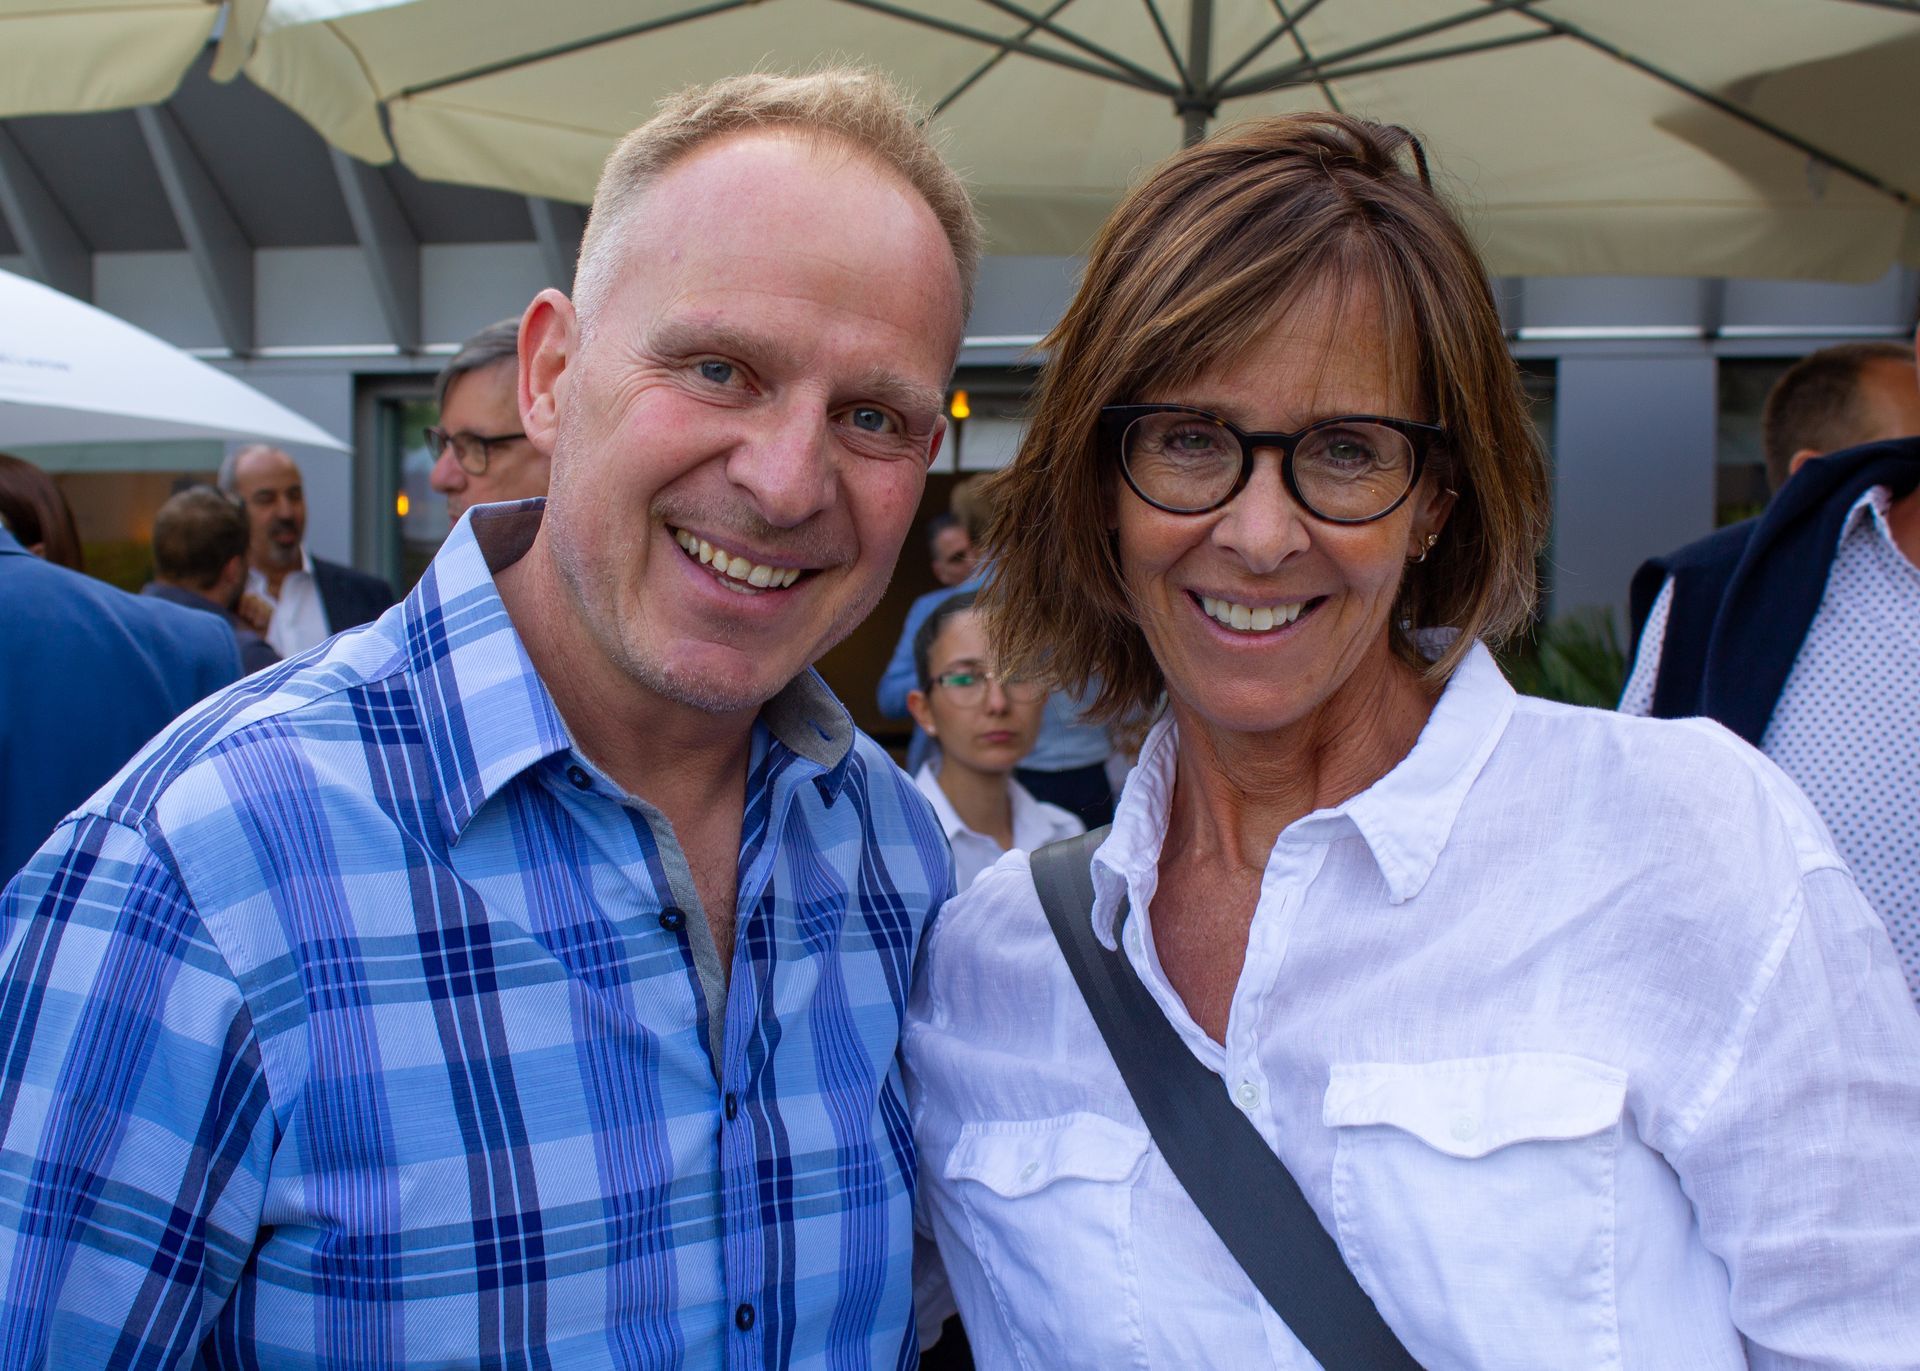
pixel 1798 460
pixel 939 437
pixel 922 714
pixel 549 334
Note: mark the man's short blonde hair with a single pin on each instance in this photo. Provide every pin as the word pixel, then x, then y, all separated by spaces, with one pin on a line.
pixel 856 106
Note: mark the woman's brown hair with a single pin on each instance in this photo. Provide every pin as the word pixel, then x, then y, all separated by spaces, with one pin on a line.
pixel 36 512
pixel 1191 269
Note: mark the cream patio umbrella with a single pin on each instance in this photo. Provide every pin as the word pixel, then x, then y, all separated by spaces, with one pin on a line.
pixel 1580 136
pixel 74 56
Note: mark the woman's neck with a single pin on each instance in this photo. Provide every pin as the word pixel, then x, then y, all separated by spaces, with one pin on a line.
pixel 1234 792
pixel 983 800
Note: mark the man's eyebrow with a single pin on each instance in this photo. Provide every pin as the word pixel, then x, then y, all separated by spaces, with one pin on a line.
pixel 685 338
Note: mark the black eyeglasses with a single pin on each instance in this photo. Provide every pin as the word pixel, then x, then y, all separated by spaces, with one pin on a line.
pixel 1352 469
pixel 471 450
pixel 968 686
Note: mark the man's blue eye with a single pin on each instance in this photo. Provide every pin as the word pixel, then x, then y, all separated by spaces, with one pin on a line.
pixel 717 372
pixel 870 419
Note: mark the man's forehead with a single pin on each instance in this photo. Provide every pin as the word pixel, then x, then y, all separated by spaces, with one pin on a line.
pixel 258 471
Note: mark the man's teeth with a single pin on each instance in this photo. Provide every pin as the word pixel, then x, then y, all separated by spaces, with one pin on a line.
pixel 1248 619
pixel 735 568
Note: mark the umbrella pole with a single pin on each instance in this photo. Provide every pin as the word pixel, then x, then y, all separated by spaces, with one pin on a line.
pixel 1194 106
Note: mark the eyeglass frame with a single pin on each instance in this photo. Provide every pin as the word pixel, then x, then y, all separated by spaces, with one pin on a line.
pixel 1117 420
pixel 438 438
pixel 988 678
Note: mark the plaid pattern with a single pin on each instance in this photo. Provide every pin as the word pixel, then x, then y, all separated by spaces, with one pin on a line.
pixel 352 1026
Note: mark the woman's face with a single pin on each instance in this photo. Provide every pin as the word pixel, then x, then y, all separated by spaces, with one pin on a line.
pixel 1328 588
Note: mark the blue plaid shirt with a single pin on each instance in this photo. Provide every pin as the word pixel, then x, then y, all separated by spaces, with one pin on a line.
pixel 362 1023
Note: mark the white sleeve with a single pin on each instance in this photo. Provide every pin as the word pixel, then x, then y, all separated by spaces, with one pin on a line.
pixel 1637 698
pixel 1804 1169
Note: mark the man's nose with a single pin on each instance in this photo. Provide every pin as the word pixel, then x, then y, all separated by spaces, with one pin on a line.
pixel 1262 524
pixel 447 475
pixel 786 463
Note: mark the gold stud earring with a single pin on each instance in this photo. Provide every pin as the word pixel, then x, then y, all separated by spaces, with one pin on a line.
pixel 1432 538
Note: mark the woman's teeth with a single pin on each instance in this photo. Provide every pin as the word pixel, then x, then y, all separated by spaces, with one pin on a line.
pixel 735 568
pixel 1247 619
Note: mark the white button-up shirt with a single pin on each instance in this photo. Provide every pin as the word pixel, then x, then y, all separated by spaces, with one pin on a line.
pixel 1573 1029
pixel 1847 724
pixel 299 618
pixel 1035 824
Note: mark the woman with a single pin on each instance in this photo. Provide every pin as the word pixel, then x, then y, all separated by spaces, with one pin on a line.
pixel 37 514
pixel 1571 1028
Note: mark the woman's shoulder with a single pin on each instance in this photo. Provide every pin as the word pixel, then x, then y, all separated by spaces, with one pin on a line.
pixel 1690 777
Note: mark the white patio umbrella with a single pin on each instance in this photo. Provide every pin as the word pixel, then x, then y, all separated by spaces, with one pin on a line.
pixel 70 373
pixel 1580 136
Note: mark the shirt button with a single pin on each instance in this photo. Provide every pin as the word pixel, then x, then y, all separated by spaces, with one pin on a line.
pixel 1464 1127
pixel 743 1317
pixel 672 920
pixel 733 1111
pixel 1133 937
pixel 1029 1171
pixel 1248 1095
pixel 578 775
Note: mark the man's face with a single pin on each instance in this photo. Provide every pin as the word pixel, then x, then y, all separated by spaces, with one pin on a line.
pixel 268 485
pixel 742 431
pixel 482 414
pixel 952 555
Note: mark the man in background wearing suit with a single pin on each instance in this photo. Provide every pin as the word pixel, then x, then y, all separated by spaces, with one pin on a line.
pixel 311 599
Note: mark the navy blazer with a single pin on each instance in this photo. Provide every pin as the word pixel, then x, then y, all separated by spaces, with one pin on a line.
pixel 88 673
pixel 350 598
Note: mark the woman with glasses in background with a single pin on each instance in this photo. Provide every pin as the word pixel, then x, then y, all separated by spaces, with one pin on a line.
pixel 984 723
pixel 1572 1030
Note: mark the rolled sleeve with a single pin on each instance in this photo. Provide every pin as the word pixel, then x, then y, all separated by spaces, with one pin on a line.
pixel 135 1125
pixel 1803 1167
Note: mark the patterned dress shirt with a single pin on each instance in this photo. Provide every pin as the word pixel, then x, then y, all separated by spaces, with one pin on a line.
pixel 362 1022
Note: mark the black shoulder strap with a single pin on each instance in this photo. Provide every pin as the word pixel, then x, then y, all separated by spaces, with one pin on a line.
pixel 1213 1149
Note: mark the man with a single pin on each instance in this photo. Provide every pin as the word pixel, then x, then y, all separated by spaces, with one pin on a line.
pixel 519 983
pixel 984 726
pixel 950 554
pixel 88 674
pixel 481 455
pixel 200 562
pixel 1800 630
pixel 310 599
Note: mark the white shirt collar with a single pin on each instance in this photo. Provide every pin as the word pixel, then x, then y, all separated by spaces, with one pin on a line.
pixel 1405 817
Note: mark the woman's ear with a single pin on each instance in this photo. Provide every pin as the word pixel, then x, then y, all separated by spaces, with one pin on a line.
pixel 917 705
pixel 1430 519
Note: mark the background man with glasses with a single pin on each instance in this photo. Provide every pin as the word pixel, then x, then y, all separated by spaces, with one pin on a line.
pixel 481 456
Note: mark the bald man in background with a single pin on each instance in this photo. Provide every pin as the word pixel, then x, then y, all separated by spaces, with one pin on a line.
pixel 311 599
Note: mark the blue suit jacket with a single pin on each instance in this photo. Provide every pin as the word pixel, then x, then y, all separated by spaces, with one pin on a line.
pixel 88 673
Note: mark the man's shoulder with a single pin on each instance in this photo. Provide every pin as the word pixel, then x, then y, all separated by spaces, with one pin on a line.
pixel 181 639
pixel 269 734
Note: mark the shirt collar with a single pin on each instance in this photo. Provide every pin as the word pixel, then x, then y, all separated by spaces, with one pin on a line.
pixel 485 712
pixel 927 781
pixel 1871 510
pixel 1405 817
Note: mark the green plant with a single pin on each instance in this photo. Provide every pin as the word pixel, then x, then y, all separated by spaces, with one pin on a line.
pixel 1576 659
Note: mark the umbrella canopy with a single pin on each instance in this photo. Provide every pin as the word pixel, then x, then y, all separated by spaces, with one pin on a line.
pixel 71 56
pixel 70 373
pixel 1579 136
